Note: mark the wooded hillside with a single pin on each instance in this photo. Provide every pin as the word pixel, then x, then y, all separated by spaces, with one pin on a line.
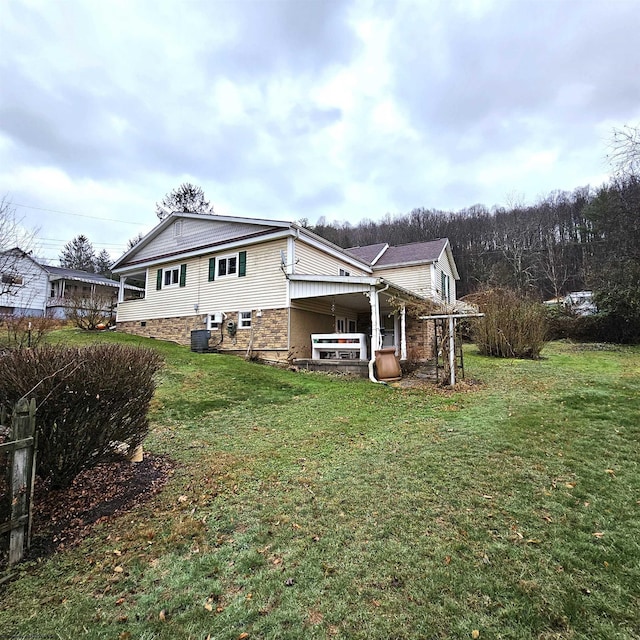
pixel 562 243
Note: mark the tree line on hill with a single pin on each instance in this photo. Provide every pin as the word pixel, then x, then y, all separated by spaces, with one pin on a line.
pixel 587 239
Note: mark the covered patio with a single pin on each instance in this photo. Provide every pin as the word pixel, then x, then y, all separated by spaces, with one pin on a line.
pixel 362 315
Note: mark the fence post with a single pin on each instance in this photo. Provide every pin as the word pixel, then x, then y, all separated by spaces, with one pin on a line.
pixel 23 424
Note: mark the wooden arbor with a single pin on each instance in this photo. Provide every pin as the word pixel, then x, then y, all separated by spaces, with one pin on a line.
pixel 448 345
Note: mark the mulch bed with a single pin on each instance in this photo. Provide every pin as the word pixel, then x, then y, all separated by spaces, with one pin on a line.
pixel 62 518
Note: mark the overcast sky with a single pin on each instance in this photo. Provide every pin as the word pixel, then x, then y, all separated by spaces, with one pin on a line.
pixel 292 109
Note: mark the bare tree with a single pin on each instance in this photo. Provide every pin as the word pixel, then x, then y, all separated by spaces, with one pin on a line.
pixel 624 153
pixel 187 198
pixel 90 311
pixel 12 236
pixel 132 242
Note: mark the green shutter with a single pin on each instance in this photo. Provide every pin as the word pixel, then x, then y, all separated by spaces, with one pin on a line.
pixel 212 269
pixel 183 275
pixel 242 266
pixel 159 279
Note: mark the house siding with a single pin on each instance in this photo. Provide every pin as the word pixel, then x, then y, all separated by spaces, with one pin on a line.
pixel 30 297
pixel 415 278
pixel 443 266
pixel 263 286
pixel 195 233
pixel 312 261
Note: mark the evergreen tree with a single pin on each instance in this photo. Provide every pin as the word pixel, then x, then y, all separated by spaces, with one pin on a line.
pixel 79 254
pixel 103 263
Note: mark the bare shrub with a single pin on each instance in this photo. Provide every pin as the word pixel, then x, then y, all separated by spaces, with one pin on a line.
pixel 512 326
pixel 88 312
pixel 89 400
pixel 25 331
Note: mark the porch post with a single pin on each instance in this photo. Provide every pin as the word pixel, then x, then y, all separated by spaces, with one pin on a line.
pixel 375 321
pixel 403 332
pixel 121 289
pixel 452 349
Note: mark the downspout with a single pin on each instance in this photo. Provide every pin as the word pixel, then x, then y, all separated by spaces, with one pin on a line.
pixel 375 330
pixel 403 332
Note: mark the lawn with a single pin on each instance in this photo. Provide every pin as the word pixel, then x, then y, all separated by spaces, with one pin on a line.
pixel 306 506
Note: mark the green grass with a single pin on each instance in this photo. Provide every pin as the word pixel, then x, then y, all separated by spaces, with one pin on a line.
pixel 306 506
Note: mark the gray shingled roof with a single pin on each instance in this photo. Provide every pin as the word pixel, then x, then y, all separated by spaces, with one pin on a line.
pixel 368 253
pixel 416 252
pixel 84 276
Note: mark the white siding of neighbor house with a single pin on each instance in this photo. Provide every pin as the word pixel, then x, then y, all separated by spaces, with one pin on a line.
pixel 414 278
pixel 30 298
pixel 312 261
pixel 264 287
pixel 195 233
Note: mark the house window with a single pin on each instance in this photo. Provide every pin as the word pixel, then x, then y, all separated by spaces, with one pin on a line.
pixel 340 325
pixel 177 228
pixel 352 326
pixel 171 276
pixel 10 278
pixel 344 272
pixel 445 287
pixel 244 320
pixel 228 266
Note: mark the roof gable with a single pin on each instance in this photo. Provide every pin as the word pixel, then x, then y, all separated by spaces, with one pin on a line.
pixel 382 256
pixel 369 253
pixel 185 232
pixel 414 253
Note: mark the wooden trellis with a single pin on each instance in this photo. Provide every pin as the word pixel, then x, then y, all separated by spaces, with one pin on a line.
pixel 447 326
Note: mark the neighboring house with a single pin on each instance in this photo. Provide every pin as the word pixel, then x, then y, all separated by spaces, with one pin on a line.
pixel 33 289
pixel 579 303
pixel 264 287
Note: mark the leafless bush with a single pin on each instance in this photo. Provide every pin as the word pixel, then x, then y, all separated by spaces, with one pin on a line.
pixel 88 399
pixel 512 326
pixel 88 312
pixel 25 331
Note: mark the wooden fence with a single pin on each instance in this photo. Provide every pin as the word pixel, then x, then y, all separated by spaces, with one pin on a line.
pixel 20 475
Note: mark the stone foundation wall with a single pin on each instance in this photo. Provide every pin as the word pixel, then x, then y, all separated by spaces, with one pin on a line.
pixel 266 339
pixel 171 329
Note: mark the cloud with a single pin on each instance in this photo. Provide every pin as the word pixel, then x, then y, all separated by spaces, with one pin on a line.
pixel 280 108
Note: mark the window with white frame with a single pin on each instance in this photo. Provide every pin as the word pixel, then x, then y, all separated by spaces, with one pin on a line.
pixel 445 287
pixel 244 320
pixel 228 266
pixel 171 277
pixel 340 325
pixel 344 272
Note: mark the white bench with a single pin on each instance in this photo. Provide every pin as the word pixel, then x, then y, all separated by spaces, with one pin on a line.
pixel 339 346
